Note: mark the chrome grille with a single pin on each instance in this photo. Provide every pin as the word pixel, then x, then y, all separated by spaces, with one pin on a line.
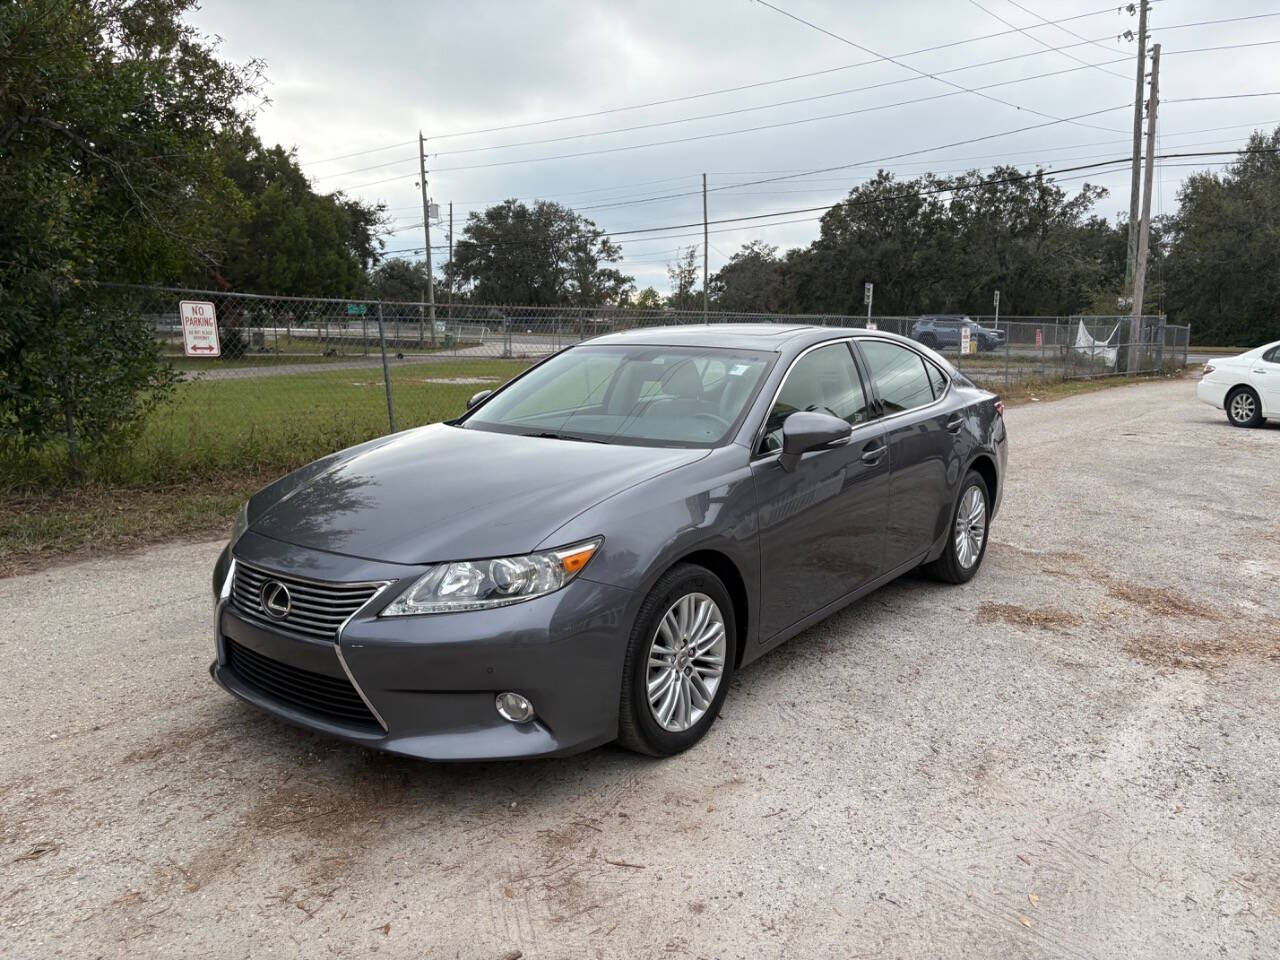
pixel 316 609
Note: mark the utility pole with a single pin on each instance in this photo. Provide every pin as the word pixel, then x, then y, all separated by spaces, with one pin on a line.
pixel 704 248
pixel 450 271
pixel 1144 232
pixel 426 230
pixel 1135 179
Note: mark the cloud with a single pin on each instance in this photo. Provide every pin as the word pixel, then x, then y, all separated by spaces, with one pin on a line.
pixel 350 77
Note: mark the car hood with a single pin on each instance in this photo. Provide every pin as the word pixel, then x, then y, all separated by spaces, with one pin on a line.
pixel 447 493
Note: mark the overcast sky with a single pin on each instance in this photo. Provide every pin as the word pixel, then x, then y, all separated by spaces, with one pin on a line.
pixel 347 77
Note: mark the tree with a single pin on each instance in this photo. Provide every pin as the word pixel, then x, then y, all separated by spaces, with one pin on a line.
pixel 285 239
pixel 399 279
pixel 544 254
pixel 1221 274
pixel 682 275
pixel 113 117
pixel 648 299
pixel 945 244
pixel 751 282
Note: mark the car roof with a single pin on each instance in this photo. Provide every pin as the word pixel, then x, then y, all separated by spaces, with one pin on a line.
pixel 772 337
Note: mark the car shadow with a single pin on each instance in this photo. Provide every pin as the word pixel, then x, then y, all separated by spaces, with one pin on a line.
pixel 368 784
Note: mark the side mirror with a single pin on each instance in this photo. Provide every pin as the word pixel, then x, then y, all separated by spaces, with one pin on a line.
pixel 480 397
pixel 809 430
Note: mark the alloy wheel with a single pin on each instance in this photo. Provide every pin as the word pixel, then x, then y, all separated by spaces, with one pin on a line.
pixel 1243 407
pixel 686 662
pixel 971 527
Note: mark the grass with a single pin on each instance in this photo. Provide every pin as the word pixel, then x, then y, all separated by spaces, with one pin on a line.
pixel 196 458
pixel 1036 391
pixel 199 364
pixel 262 425
pixel 191 464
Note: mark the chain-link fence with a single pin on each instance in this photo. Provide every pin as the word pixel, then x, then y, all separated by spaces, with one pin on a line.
pixel 300 377
pixel 299 329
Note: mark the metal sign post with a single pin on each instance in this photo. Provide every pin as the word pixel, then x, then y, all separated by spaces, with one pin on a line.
pixel 997 309
pixel 868 294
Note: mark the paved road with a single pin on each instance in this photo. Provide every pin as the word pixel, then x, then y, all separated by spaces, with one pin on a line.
pixel 1073 756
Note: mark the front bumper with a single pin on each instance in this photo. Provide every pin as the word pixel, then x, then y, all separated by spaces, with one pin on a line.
pixel 430 681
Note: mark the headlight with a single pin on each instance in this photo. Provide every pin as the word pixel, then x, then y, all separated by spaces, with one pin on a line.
pixel 241 523
pixel 482 584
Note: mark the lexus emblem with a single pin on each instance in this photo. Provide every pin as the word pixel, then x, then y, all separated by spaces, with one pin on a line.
pixel 276 600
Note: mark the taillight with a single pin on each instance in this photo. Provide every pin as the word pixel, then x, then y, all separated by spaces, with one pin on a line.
pixel 1000 408
pixel 1208 369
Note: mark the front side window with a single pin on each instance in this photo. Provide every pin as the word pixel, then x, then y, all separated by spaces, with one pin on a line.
pixel 899 375
pixel 630 393
pixel 823 380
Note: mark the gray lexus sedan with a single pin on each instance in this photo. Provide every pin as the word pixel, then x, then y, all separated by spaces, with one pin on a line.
pixel 588 553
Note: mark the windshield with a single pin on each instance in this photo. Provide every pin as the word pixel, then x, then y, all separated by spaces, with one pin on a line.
pixel 630 393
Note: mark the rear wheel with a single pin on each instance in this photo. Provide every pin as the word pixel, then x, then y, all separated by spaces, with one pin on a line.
pixel 678 663
pixel 967 536
pixel 1244 409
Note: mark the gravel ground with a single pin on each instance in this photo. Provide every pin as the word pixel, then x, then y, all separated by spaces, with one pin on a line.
pixel 1075 755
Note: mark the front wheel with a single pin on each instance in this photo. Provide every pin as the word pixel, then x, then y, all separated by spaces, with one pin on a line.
pixel 967 539
pixel 678 663
pixel 1244 409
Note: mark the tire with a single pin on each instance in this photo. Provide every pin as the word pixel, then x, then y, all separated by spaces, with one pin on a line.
pixel 1244 408
pixel 929 340
pixel 960 560
pixel 640 727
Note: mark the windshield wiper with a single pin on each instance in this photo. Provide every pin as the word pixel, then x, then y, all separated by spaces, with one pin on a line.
pixel 562 436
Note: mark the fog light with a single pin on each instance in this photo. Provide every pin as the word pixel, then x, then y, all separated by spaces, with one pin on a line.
pixel 513 707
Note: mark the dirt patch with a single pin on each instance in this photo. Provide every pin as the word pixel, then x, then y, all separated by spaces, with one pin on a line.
pixel 170 745
pixel 1042 618
pixel 1211 652
pixel 461 381
pixel 1163 602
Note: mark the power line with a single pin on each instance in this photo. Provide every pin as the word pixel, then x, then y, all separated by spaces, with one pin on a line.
pixel 753 86
pixel 758 128
pixel 924 73
pixel 897 156
pixel 739 111
pixel 1058 24
pixel 1226 96
pixel 1048 46
pixel 775 104
pixel 799 76
pixel 1116 162
pixel 843 182
pixel 359 153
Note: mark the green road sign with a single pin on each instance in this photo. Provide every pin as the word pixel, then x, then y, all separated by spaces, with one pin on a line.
pixel 357 309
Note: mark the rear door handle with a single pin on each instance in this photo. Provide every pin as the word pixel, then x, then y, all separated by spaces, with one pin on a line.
pixel 955 423
pixel 873 454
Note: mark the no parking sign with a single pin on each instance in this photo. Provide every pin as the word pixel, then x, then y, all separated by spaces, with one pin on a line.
pixel 199 329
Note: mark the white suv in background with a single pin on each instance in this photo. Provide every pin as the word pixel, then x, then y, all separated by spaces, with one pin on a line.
pixel 1247 386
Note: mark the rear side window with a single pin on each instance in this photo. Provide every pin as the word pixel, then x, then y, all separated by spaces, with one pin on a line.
pixel 1272 355
pixel 899 375
pixel 937 379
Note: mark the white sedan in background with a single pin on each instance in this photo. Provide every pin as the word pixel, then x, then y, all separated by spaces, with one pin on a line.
pixel 1247 387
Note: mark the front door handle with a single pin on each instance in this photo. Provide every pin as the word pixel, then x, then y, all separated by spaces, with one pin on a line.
pixel 955 423
pixel 873 454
